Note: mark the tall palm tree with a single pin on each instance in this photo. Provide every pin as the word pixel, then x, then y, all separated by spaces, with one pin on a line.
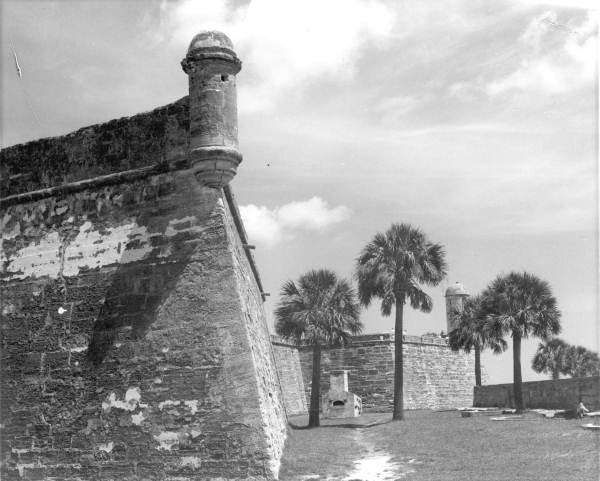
pixel 550 357
pixel 392 267
pixel 581 362
pixel 472 332
pixel 520 305
pixel 319 310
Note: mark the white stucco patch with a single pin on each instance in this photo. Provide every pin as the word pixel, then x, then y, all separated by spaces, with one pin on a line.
pixel 193 461
pixel 131 402
pixel 137 418
pixel 91 248
pixel 133 395
pixel 107 447
pixel 163 404
pixel 35 260
pixel 192 405
pixel 166 440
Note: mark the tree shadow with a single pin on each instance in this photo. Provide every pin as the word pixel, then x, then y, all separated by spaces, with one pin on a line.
pixel 343 425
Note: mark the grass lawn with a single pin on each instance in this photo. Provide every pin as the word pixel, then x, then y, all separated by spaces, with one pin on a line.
pixel 432 446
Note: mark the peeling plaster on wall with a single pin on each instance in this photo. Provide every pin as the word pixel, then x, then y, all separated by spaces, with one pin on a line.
pixel 103 248
pixel 91 248
pixel 137 418
pixel 167 439
pixel 107 447
pixel 193 405
pixel 163 404
pixel 35 260
pixel 131 402
pixel 192 461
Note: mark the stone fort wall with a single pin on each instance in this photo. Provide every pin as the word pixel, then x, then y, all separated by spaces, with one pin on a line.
pixel 134 342
pixel 559 394
pixel 435 377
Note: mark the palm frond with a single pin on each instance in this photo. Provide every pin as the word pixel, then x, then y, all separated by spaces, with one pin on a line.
pixel 320 309
pixel 393 264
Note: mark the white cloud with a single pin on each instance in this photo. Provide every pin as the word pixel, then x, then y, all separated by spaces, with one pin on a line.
pixel 283 44
pixel 572 64
pixel 538 28
pixel 270 226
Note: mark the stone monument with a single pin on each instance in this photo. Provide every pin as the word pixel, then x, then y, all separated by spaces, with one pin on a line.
pixel 339 402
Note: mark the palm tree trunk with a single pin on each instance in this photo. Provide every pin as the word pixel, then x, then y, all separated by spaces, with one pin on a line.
pixel 398 364
pixel 477 366
pixel 315 388
pixel 517 380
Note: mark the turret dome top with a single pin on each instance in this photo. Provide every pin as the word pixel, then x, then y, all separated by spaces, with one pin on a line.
pixel 208 39
pixel 456 290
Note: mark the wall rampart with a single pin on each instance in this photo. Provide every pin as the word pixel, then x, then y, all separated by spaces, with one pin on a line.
pixel 435 377
pixel 549 394
pixel 134 342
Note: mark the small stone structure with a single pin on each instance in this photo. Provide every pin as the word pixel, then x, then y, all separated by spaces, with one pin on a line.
pixel 339 402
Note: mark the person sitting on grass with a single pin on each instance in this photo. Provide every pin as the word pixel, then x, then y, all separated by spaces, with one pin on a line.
pixel 581 410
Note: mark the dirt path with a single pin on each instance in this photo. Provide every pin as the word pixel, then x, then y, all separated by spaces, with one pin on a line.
pixel 376 464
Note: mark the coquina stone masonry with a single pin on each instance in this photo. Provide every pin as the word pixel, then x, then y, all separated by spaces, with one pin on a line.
pixel 134 340
pixel 559 394
pixel 287 360
pixel 435 377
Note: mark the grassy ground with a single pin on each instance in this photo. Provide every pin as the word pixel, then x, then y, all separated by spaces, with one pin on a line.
pixel 441 446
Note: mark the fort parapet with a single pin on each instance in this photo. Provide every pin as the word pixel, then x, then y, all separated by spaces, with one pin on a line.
pixel 435 377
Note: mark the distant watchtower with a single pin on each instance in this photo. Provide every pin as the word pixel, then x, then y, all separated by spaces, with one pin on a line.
pixel 455 298
pixel 211 65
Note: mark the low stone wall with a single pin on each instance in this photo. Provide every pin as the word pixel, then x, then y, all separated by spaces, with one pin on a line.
pixel 560 394
pixel 435 377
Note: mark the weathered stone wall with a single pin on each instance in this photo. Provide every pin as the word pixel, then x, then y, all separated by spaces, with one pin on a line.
pixel 559 394
pixel 287 360
pixel 152 139
pixel 134 342
pixel 435 377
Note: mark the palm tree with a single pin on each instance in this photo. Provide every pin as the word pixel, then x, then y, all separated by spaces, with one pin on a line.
pixel 472 332
pixel 581 362
pixel 319 310
pixel 550 357
pixel 520 304
pixel 392 267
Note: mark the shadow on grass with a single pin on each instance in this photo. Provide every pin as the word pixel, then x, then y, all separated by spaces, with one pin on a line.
pixel 344 426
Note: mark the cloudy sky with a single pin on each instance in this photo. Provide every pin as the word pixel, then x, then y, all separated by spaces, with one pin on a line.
pixel 474 120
